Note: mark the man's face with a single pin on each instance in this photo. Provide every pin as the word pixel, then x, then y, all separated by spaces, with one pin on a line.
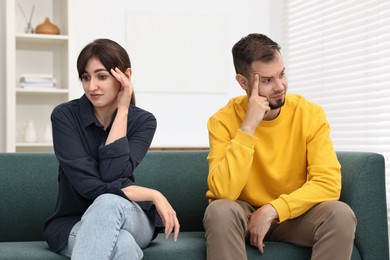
pixel 273 80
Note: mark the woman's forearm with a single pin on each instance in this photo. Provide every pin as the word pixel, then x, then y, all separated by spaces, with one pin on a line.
pixel 164 208
pixel 138 193
pixel 119 126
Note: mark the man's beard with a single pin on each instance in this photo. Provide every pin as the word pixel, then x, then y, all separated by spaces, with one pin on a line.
pixel 278 104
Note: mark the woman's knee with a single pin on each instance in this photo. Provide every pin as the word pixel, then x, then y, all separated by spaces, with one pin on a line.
pixel 108 201
pixel 106 206
pixel 108 198
pixel 126 247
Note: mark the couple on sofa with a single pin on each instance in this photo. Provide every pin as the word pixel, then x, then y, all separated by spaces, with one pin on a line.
pixel 273 172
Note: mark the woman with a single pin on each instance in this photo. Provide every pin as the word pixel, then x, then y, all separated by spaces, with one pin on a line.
pixel 99 140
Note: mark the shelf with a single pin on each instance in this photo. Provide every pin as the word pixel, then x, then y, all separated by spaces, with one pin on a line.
pixel 42 91
pixel 37 144
pixel 40 38
pixel 33 53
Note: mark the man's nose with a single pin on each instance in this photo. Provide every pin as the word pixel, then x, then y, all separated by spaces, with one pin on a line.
pixel 279 85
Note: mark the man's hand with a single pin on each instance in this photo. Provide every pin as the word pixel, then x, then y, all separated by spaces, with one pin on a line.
pixel 259 223
pixel 258 106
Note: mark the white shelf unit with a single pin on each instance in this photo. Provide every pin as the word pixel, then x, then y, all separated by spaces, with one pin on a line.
pixel 28 53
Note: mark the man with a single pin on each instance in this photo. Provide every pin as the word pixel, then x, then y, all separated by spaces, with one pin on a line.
pixel 273 171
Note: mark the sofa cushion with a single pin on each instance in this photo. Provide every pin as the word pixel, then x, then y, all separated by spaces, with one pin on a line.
pixel 36 250
pixel 190 245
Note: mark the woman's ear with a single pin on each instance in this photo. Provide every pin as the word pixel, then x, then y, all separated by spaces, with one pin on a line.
pixel 128 73
pixel 241 79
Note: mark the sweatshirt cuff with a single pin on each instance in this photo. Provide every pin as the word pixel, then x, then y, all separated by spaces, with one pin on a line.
pixel 245 139
pixel 282 209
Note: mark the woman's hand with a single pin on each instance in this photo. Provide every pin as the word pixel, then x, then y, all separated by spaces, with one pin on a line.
pixel 167 214
pixel 126 88
pixel 164 209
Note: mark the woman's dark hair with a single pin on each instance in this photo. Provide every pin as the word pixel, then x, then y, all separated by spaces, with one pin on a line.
pixel 252 48
pixel 109 53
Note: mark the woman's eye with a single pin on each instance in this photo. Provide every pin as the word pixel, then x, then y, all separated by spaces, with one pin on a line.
pixel 102 77
pixel 85 78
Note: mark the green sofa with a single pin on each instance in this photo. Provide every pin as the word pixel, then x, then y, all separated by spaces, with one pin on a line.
pixel 28 187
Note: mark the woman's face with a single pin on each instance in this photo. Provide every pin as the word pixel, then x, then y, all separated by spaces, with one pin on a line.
pixel 100 86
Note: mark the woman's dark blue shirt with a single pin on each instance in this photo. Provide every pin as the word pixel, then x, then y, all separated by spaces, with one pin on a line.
pixel 89 168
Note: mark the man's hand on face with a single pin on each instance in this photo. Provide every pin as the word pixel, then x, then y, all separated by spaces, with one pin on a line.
pixel 258 106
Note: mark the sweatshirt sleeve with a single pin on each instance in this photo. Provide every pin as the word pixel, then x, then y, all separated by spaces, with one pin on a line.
pixel 323 173
pixel 230 159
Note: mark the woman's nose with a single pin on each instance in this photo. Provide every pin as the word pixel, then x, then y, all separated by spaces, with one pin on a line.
pixel 92 85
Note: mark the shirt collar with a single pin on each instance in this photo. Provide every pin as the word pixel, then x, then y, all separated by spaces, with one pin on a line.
pixel 86 110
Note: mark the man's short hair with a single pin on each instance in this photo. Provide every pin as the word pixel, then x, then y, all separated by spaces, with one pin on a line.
pixel 254 47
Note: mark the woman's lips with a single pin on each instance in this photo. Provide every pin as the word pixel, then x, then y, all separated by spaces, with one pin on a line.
pixel 95 96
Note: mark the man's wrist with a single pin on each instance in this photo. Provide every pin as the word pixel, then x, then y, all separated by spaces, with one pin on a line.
pixel 247 129
pixel 271 212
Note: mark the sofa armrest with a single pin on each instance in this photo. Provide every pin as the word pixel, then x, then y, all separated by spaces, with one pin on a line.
pixel 363 189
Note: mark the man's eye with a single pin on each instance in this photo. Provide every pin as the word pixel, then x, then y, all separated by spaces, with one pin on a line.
pixel 267 81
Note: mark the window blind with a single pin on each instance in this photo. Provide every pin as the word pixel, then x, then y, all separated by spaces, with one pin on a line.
pixel 337 54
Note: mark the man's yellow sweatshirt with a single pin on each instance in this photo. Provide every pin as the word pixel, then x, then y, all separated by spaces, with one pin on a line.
pixel 289 162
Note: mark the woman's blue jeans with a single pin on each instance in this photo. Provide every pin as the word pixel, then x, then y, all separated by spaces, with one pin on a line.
pixel 111 228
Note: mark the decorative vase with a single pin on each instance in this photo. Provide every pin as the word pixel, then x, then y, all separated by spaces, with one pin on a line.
pixel 47 27
pixel 29 28
pixel 30 134
pixel 47 135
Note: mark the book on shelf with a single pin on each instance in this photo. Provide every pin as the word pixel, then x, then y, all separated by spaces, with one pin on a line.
pixel 37 85
pixel 38 81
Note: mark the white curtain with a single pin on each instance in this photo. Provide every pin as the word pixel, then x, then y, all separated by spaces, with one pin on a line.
pixel 337 54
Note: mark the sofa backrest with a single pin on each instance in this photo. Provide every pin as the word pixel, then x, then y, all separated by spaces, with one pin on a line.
pixel 182 177
pixel 363 189
pixel 28 191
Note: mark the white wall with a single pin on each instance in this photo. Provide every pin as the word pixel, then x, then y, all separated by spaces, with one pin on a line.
pixel 2 75
pixel 181 117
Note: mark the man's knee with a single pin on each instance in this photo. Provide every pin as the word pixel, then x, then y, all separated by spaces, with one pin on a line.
pixel 341 210
pixel 223 213
pixel 225 223
pixel 341 217
pixel 219 208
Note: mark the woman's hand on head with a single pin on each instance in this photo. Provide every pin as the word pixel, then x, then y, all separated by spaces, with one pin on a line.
pixel 168 215
pixel 126 88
